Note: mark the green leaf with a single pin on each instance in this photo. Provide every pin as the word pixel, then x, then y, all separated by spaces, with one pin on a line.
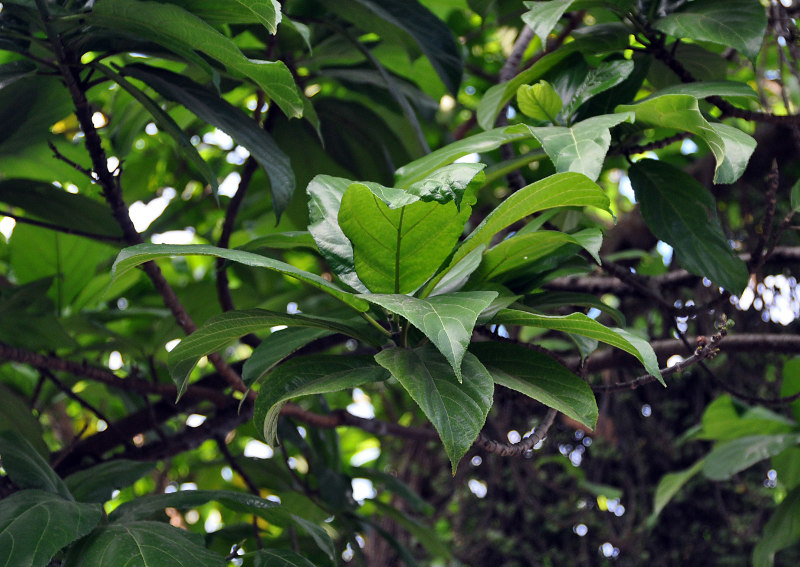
pixel 554 299
pixel 669 485
pixel 542 17
pixel 221 329
pixel 724 420
pixel 397 249
pixel 479 143
pixel 274 348
pixel 705 89
pixel 457 410
pixel 738 23
pixel 15 70
pixel 583 147
pixel 433 36
pixel 26 467
pixel 448 183
pixel 145 507
pixel 559 190
pixel 457 276
pixel 540 377
pixel 729 458
pixel 265 12
pixel 35 525
pixel 281 241
pixel 279 558
pixel 133 256
pixel 795 196
pixel 682 213
pixel 539 101
pixel 738 149
pixel 55 205
pixel 213 109
pixel 151 544
pixel 97 483
pixel 184 33
pixel 16 415
pixel 580 324
pixel 447 320
pixel 791 383
pixel 598 80
pixel 305 375
pixel 781 531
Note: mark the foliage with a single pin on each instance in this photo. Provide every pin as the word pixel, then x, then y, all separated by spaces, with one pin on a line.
pixel 382 237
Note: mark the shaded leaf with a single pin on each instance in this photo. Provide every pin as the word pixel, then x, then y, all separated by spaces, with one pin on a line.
pixel 279 558
pixel 682 213
pixel 305 375
pixel 781 531
pixel 669 485
pixel 540 377
pixel 26 467
pixel 265 12
pixel 16 415
pixel 457 276
pixel 447 320
pixel 144 507
pixel 97 483
pixel 729 458
pixel 542 17
pixel 457 410
pixel 555 299
pixel 274 348
pixel 599 79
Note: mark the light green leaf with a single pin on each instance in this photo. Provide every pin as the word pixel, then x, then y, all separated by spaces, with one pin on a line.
pixel 479 143
pixel 238 125
pixel 305 375
pixel 448 183
pixel 265 12
pixel 96 484
pixel 26 467
pixel 151 544
pixel 221 329
pixel 738 149
pixel 738 23
pixel 729 458
pixel 542 17
pixel 279 558
pixel 457 276
pixel 457 410
pixel 580 324
pixel 397 249
pixel 559 190
pixel 791 381
pixel 275 348
pixel 184 33
pixel 539 101
pixel 133 256
pixel 669 485
pixel 705 89
pixel 35 525
pixel 281 241
pixel 781 531
pixel 682 213
pixel 583 147
pixel 724 421
pixel 447 320
pixel 538 376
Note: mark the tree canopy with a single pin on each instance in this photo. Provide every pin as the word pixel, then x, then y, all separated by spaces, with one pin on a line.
pixel 435 282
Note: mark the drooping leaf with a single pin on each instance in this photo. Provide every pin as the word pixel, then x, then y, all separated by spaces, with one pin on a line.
pixel 133 256
pixel 447 320
pixel 781 531
pixel 542 17
pixel 539 101
pixel 729 458
pixel 279 558
pixel 242 128
pixel 580 324
pixel 176 29
pixel 739 24
pixel 669 485
pixel 724 420
pixel 35 525
pixel 738 149
pixel 682 213
pixel 275 348
pixel 26 467
pixel 457 410
pixel 583 147
pixel 540 377
pixel 305 375
pixel 221 329
pixel 154 544
pixel 97 483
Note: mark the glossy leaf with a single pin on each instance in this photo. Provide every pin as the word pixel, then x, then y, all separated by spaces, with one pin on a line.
pixel 540 377
pixel 781 531
pixel 739 24
pixel 448 183
pixel 735 456
pixel 26 467
pixel 598 80
pixel 274 348
pixel 583 147
pixel 457 410
pixel 682 213
pixel 97 483
pixel 580 324
pixel 447 320
pixel 669 485
pixel 183 32
pixel 397 249
pixel 305 375
pixel 35 525
pixel 238 125
pixel 542 17
pixel 539 101
pixel 279 558
pixel 154 544
pixel 133 256
pixel 457 276
pixel 221 329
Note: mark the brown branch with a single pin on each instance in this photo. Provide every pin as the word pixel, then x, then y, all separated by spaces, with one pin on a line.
pixel 524 447
pixel 773 180
pixel 64 229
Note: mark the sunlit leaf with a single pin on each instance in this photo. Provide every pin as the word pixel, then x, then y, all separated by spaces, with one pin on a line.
pixel 542 17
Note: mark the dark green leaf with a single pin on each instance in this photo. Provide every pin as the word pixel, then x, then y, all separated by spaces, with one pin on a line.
pixel 25 466
pixel 555 299
pixel 279 558
pixel 16 415
pixel 542 17
pixel 96 483
pixel 540 377
pixel 305 375
pixel 15 70
pixel 447 320
pixel 598 80
pixel 669 485
pixel 265 12
pixel 145 507
pixel 781 531
pixel 274 348
pixel 682 213
pixel 34 525
pixel 281 241
pixel 457 410
pixel 791 383
pixel 734 456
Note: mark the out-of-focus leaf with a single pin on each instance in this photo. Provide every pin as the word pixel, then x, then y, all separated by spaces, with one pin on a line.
pixel 457 409
pixel 542 17
pixel 15 70
pixel 669 485
pixel 312 374
pixel 35 525
pixel 26 467
pixel 97 483
pixel 447 320
pixel 682 213
pixel 791 383
pixel 15 415
pixel 729 458
pixel 279 558
pixel 540 377
pixel 781 531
